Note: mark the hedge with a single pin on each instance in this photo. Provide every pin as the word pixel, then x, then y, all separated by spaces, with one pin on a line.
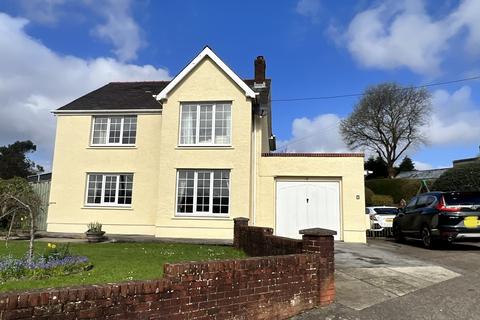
pixel 382 200
pixel 464 177
pixel 398 189
pixel 368 197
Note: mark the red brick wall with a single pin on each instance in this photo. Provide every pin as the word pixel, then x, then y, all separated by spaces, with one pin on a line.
pixel 259 241
pixel 270 287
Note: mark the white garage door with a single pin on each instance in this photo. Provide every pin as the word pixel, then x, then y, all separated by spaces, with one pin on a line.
pixel 307 204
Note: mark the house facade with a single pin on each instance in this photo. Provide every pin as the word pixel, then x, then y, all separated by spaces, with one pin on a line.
pixel 182 158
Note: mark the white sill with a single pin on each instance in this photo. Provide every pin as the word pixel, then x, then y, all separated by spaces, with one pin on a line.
pixel 112 147
pixel 123 146
pixel 201 217
pixel 100 207
pixel 202 147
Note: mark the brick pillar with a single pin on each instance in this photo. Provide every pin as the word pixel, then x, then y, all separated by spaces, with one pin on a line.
pixel 320 241
pixel 237 223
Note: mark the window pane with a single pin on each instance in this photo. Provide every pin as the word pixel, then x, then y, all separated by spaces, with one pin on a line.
pixel 110 189
pixel 115 129
pixel 223 120
pixel 188 124
pixel 94 192
pixel 203 191
pixel 129 130
pixel 99 130
pixel 221 193
pixel 125 189
pixel 206 118
pixel 185 188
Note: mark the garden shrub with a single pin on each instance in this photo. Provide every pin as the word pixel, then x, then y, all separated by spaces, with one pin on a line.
pixel 398 189
pixel 382 200
pixel 368 196
pixel 465 177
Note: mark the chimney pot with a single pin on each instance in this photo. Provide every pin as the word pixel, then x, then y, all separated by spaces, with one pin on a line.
pixel 260 67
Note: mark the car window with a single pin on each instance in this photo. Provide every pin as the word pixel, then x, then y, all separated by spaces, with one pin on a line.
pixel 386 210
pixel 422 201
pixel 411 204
pixel 467 198
pixel 431 200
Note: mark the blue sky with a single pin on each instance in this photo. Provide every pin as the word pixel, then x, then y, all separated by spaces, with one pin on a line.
pixel 52 51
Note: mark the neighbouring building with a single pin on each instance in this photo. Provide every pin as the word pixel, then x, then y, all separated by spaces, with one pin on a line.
pixel 429 174
pixel 182 158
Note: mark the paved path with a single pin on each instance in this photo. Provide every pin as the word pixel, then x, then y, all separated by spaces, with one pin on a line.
pixel 385 280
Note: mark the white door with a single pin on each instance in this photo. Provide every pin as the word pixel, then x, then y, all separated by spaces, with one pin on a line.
pixel 307 204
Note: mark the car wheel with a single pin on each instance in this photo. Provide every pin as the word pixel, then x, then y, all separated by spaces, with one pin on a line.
pixel 397 233
pixel 427 240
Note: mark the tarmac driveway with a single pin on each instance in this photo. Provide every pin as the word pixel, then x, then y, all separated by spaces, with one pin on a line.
pixel 386 280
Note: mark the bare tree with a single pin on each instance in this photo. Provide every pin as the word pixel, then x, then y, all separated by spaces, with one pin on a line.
pixel 387 120
pixel 17 199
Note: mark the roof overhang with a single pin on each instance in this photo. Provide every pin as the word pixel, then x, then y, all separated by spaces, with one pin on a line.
pixel 206 52
pixel 107 111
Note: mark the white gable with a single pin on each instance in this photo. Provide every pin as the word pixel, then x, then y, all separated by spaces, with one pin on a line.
pixel 207 52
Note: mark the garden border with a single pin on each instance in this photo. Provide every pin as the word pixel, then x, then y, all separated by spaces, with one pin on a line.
pixel 285 276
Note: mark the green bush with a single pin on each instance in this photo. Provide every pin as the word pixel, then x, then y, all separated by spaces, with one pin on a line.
pixel 398 189
pixel 382 200
pixel 465 177
pixel 368 196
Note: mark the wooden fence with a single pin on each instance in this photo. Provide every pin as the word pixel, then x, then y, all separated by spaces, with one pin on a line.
pixel 42 188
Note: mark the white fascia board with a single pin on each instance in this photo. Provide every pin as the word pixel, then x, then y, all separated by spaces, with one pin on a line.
pixel 107 111
pixel 206 52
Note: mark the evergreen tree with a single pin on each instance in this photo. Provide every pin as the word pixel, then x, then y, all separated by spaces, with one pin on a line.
pixel 406 165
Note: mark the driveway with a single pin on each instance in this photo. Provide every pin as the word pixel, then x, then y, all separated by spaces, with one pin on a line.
pixel 386 280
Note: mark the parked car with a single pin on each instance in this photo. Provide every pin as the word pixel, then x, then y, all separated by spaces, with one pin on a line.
pixel 381 217
pixel 439 217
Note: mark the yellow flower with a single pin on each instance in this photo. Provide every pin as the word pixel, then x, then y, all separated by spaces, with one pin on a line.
pixel 49 245
pixel 54 246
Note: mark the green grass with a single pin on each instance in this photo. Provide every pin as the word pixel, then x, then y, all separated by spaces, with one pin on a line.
pixel 114 262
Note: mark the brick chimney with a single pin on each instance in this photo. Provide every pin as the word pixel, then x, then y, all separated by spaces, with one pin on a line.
pixel 260 67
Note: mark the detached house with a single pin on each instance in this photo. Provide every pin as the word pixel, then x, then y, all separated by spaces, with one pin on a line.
pixel 182 158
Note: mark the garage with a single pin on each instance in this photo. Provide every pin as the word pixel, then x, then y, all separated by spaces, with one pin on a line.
pixel 302 204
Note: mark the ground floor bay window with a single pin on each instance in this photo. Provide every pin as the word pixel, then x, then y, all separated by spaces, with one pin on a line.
pixel 109 189
pixel 203 192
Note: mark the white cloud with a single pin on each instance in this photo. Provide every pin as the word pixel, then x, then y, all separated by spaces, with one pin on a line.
pixel 422 165
pixel 308 8
pixel 402 34
pixel 35 80
pixel 119 28
pixel 455 118
pixel 455 121
pixel 42 11
pixel 320 134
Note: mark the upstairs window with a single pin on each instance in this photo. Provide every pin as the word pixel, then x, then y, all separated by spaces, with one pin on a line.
pixel 114 130
pixel 205 124
pixel 109 189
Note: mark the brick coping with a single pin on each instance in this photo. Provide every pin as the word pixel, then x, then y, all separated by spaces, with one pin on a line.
pixel 314 155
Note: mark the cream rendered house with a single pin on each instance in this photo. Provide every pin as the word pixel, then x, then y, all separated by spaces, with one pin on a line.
pixel 182 158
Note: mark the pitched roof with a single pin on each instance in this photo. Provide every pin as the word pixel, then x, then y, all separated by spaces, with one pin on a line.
pixel 206 52
pixel 421 174
pixel 131 96
pixel 119 96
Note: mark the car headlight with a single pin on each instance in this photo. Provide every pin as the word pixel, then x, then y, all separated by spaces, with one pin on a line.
pixel 373 217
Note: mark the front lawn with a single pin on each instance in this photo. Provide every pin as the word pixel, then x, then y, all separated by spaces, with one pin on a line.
pixel 113 262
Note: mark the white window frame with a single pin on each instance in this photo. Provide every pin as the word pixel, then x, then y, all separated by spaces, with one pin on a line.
pixel 195 183
pixel 112 144
pixel 197 129
pixel 117 188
